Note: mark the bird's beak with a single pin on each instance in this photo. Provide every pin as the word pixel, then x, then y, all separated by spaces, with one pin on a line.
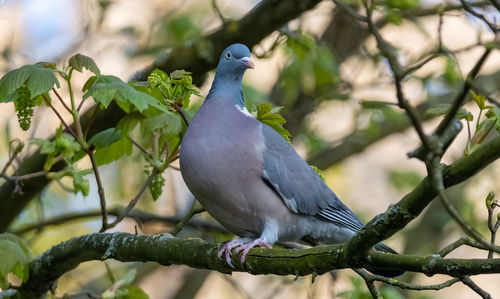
pixel 247 62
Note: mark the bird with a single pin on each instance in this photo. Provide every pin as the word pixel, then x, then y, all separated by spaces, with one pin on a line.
pixel 251 179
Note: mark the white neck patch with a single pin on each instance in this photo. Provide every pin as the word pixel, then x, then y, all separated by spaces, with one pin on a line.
pixel 244 110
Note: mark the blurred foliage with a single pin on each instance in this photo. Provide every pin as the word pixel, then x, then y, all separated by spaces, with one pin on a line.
pixel 359 291
pixel 151 118
pixel 404 180
pixel 312 69
pixel 15 256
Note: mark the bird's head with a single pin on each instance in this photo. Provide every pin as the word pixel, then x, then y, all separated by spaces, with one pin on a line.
pixel 234 60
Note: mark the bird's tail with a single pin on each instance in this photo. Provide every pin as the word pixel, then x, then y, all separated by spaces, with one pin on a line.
pixel 385 272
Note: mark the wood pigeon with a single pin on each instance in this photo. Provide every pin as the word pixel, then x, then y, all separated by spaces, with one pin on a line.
pixel 250 179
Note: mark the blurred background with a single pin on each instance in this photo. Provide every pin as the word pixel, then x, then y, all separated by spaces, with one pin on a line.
pixel 327 73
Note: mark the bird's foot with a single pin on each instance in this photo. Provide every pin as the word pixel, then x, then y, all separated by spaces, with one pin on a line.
pixel 239 245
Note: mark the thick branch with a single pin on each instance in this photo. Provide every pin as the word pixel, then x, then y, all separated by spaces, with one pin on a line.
pixel 251 29
pixel 167 250
pixel 398 215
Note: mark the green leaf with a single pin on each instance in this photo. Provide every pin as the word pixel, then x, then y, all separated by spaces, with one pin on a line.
pixel 135 292
pixel 394 17
pixel 114 151
pixel 266 115
pixel 437 110
pixel 80 184
pixel 402 4
pixel 79 61
pixel 451 74
pixel 89 83
pixel 129 122
pixel 168 123
pixel 117 290
pixel 37 78
pixel 105 138
pixel 157 77
pixel 107 88
pixel 479 99
pixel 15 257
pixel 443 108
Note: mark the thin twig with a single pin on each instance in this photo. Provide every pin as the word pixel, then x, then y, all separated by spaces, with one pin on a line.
pixel 68 128
pixel 470 10
pixel 24 176
pixel 140 148
pixel 13 155
pixel 139 216
pixel 468 282
pixel 461 97
pixel 350 11
pixel 462 241
pixel 196 208
pixel 61 100
pixel 406 285
pixel 219 12
pixel 134 201
pixel 100 190
pixel 418 65
pixel 183 115
pixel 436 179
pixel 81 105
pixel 174 167
pixel 390 53
pixel 90 122
pixel 369 283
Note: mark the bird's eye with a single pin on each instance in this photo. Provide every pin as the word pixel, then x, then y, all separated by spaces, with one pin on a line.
pixel 228 55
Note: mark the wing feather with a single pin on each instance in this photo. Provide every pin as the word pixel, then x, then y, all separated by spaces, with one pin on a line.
pixel 299 186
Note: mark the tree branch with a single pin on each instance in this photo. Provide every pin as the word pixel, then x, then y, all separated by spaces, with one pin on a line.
pixel 409 207
pixel 167 250
pixel 138 215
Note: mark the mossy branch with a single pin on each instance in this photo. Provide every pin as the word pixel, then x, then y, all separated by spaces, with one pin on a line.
pixel 410 206
pixel 168 250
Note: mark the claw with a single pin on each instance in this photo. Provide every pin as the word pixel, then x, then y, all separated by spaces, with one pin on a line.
pixel 239 245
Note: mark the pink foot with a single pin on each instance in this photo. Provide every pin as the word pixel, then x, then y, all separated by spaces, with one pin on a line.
pixel 240 244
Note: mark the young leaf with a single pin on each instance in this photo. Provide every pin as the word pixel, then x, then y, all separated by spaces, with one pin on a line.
pixel 479 99
pixel 107 88
pixel 157 78
pixel 168 123
pixel 37 78
pixel 264 113
pixel 79 61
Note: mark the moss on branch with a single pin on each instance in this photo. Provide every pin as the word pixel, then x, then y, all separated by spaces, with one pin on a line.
pixel 167 250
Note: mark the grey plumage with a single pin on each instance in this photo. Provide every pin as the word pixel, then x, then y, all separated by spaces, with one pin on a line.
pixel 250 178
